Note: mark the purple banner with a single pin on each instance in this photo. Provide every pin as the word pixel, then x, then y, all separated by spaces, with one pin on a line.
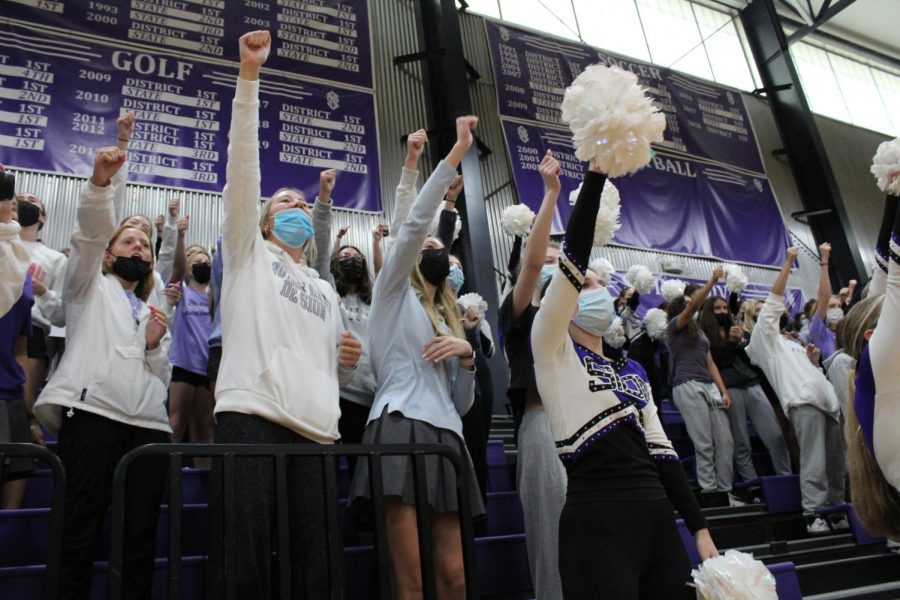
pixel 674 204
pixel 793 297
pixel 532 71
pixel 60 98
pixel 312 38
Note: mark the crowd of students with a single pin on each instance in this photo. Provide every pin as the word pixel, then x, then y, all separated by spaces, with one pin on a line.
pixel 284 334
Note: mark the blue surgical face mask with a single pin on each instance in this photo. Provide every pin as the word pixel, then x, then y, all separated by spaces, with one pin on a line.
pixel 546 274
pixel 456 278
pixel 596 311
pixel 293 227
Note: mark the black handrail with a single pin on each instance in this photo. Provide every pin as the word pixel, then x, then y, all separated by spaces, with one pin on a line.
pixel 57 504
pixel 280 453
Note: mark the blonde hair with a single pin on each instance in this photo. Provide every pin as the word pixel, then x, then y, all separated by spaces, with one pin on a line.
pixel 862 317
pixel 145 285
pixel 444 297
pixel 309 246
pixel 747 307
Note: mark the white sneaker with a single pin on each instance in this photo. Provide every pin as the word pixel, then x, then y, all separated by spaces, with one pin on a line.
pixel 893 546
pixel 735 501
pixel 840 523
pixel 818 526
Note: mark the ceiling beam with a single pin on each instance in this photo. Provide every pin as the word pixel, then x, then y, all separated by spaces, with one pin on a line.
pixel 825 14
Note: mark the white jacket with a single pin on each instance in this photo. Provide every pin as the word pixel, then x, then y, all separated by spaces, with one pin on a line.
pixel 48 309
pixel 106 369
pixel 281 327
pixel 14 263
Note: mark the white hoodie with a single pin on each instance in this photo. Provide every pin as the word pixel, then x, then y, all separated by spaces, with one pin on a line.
pixel 106 369
pixel 281 327
pixel 14 262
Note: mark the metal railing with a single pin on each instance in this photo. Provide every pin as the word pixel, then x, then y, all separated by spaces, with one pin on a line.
pixel 281 453
pixel 57 503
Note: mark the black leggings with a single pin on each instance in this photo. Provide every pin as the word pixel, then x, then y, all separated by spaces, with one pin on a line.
pixel 622 550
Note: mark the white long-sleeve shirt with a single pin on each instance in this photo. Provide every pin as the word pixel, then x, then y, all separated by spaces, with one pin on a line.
pixel 14 263
pixel 795 379
pixel 281 327
pixel 48 309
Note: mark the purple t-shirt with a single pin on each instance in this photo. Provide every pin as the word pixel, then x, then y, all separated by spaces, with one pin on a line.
pixel 13 324
pixel 190 331
pixel 823 337
pixel 688 355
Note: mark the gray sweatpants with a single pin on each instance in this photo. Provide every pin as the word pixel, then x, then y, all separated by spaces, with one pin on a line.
pixel 541 482
pixel 700 405
pixel 822 463
pixel 751 403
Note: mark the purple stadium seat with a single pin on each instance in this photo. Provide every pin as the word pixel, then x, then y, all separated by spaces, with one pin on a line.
pixel 786 584
pixel 781 493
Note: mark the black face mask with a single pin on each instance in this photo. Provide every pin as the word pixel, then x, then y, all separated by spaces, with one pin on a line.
pixel 131 268
pixel 435 265
pixel 29 214
pixel 201 272
pixel 724 319
pixel 351 270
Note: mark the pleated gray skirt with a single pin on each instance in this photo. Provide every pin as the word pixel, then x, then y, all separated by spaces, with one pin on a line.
pixel 397 471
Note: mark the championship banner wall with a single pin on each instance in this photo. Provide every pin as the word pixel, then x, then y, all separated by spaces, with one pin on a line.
pixel 705 181
pixel 61 94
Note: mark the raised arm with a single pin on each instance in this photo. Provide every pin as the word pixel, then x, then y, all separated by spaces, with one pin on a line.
pixel 240 226
pixel 394 276
pixel 697 300
pixel 378 233
pixel 322 224
pixel 824 281
pixel 124 130
pixel 169 240
pixel 883 246
pixel 405 194
pixel 179 259
pixel 96 225
pixel 536 248
pixel 550 328
pixel 448 217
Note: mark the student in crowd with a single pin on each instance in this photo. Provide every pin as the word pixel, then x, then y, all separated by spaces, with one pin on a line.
pixel 872 418
pixel 617 528
pixel 15 329
pixel 808 400
pixel 424 368
pixel 284 356
pixel 190 401
pixel 214 342
pixel 540 476
pixel 838 368
pixel 699 393
pixel 48 268
pixel 748 401
pixel 829 309
pixel 108 394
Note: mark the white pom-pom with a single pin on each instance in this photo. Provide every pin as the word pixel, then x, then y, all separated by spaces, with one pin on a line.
pixel 608 215
pixel 516 220
pixel 734 576
pixel 457 228
pixel 612 121
pixel 886 167
pixel 473 300
pixel 603 268
pixel 655 322
pixel 735 279
pixel 672 288
pixel 640 278
pixel 615 334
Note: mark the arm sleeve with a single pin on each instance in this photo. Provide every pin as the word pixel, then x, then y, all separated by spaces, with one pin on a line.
pixel 96 224
pixel 240 198
pixel 322 227
pixel 404 197
pixel 50 303
pixel 734 303
pixel 463 393
pixel 886 369
pixel 551 323
pixel 765 333
pixel 487 338
pixel 14 263
pixel 515 257
pixel 398 264
pixel 447 227
pixel 679 492
pixel 157 360
pixel 883 247
pixel 119 184
pixel 166 261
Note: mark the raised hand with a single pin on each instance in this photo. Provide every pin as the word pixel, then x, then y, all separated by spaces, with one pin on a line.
pixel 415 145
pixel 790 255
pixel 254 51
pixel 38 274
pixel 342 232
pixel 718 273
pixel 125 126
pixel 444 346
pixel 824 252
pixel 350 350
pixel 183 224
pixel 464 127
pixel 156 327
pixel 455 188
pixel 174 207
pixel 549 170
pixel 379 232
pixel 326 184
pixel 107 163
pixel 160 224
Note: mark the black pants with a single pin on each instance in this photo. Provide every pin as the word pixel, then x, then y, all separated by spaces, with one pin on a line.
pixel 90 447
pixel 621 551
pixel 352 425
pixel 254 531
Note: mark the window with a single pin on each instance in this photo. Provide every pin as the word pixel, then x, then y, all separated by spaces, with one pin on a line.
pixel 489 8
pixel 550 16
pixel 612 25
pixel 889 89
pixel 819 83
pixel 723 48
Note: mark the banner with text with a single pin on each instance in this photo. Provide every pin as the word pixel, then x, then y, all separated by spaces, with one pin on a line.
pixel 313 38
pixel 60 98
pixel 674 204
